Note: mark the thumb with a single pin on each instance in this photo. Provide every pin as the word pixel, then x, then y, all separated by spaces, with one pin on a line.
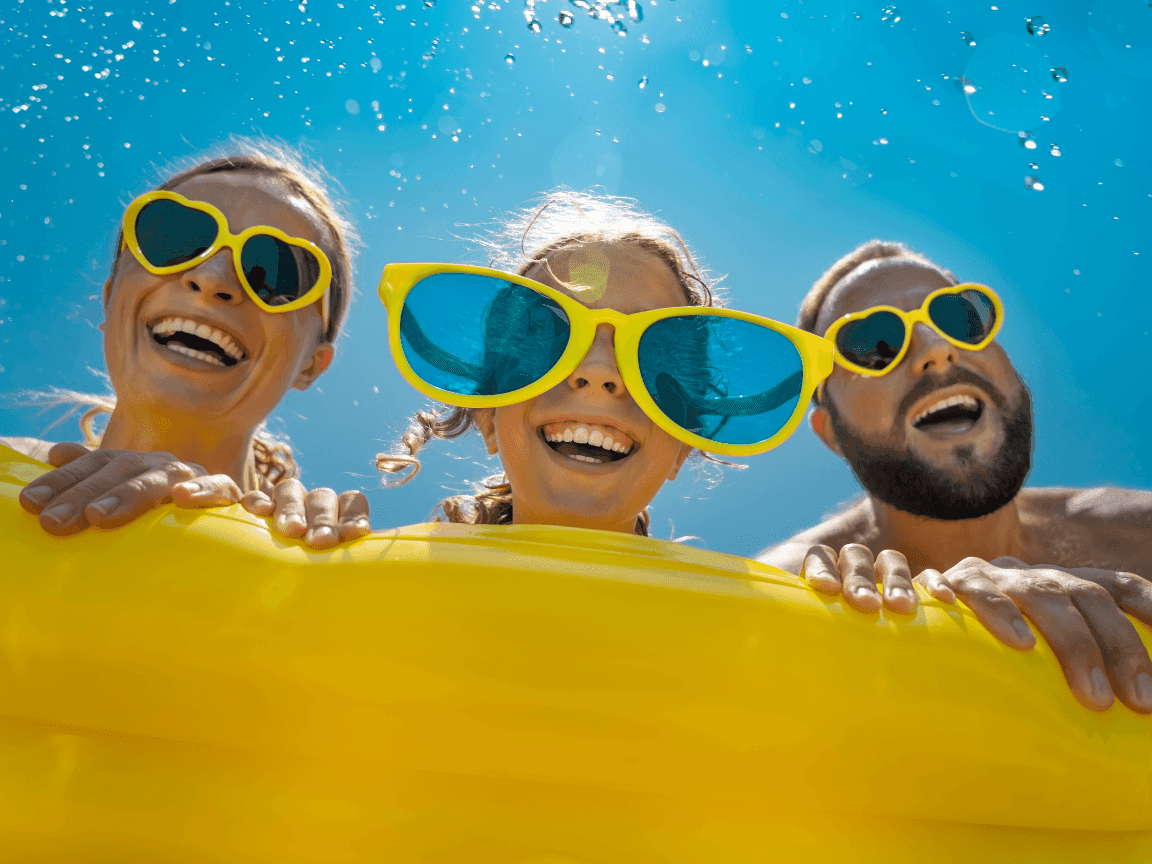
pixel 65 452
pixel 213 490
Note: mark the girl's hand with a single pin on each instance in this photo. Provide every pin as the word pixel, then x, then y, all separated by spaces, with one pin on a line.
pixel 110 488
pixel 321 517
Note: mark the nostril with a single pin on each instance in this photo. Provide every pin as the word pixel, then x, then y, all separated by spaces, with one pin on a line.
pixel 610 386
pixel 222 295
pixel 581 382
pixel 193 286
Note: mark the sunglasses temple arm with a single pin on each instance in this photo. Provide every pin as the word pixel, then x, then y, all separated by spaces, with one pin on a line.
pixel 434 355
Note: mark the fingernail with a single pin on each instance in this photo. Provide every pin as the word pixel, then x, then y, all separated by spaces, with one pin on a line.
pixel 862 592
pixel 39 494
pixel 1100 688
pixel 1144 688
pixel 898 593
pixel 61 513
pixel 105 505
pixel 1022 630
pixel 323 533
pixel 191 485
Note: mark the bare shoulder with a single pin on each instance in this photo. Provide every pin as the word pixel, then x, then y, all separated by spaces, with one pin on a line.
pixel 1096 507
pixel 853 525
pixel 33 447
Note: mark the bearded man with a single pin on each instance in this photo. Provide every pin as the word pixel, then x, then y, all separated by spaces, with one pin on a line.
pixel 936 424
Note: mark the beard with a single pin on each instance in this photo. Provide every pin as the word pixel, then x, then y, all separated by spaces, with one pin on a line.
pixel 903 480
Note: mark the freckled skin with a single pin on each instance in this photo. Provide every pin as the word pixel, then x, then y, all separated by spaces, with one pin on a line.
pixel 1103 527
pixel 551 489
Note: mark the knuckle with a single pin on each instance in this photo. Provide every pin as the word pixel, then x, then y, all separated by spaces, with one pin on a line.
pixel 1090 592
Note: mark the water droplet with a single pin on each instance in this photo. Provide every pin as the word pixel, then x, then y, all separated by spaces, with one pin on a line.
pixel 509 59
pixel 429 4
pixel 1119 163
pixel 1027 141
pixel 534 26
pixel 1033 166
pixel 1060 74
pixel 643 82
pixel 1037 26
pixel 376 63
pixel 597 131
pixel 1055 150
pixel 1034 183
pixel 565 18
pixel 659 107
pixel 814 146
pixel 352 106
pixel 618 27
pixel 966 85
pixel 968 38
pixel 890 15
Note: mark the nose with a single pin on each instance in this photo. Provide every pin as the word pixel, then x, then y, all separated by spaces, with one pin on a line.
pixel 928 352
pixel 598 371
pixel 215 279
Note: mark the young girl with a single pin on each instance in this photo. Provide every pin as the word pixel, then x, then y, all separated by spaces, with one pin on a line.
pixel 595 371
pixel 229 286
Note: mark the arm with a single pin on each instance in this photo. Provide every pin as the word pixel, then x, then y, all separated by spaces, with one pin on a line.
pixel 33 447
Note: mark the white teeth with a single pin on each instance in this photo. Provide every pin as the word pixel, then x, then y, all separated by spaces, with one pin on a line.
pixel 191 352
pixel 606 443
pixel 226 343
pixel 580 458
pixel 580 436
pixel 567 435
pixel 596 438
pixel 966 401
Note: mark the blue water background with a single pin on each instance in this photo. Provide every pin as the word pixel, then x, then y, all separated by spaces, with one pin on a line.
pixel 775 136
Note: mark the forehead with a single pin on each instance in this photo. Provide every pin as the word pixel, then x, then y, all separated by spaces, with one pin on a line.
pixel 635 279
pixel 248 198
pixel 903 284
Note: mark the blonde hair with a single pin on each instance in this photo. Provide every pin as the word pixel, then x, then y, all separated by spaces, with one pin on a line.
pixel 873 250
pixel 560 221
pixel 271 455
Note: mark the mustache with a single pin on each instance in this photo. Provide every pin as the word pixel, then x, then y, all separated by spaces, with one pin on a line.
pixel 956 375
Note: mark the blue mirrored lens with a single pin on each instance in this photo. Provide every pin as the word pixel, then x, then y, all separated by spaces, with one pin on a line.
pixel 872 341
pixel 967 317
pixel 169 233
pixel 727 380
pixel 277 271
pixel 480 336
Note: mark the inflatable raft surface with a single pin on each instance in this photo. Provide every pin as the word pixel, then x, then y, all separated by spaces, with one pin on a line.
pixel 192 689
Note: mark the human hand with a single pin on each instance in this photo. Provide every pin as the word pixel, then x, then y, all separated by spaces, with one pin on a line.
pixel 856 573
pixel 1079 612
pixel 110 488
pixel 321 517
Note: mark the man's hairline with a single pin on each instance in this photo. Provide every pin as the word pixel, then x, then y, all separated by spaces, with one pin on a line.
pixel 864 270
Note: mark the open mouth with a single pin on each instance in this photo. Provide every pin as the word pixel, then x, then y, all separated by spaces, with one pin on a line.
pixel 588 442
pixel 950 415
pixel 198 341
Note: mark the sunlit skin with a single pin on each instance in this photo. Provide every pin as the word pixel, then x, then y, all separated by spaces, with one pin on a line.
pixel 1065 558
pixel 551 489
pixel 208 414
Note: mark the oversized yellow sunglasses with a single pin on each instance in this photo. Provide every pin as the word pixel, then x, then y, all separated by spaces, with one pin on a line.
pixel 720 380
pixel 875 340
pixel 168 233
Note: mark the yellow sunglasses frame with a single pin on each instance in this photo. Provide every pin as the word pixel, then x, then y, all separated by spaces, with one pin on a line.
pixel 815 351
pixel 225 239
pixel 911 319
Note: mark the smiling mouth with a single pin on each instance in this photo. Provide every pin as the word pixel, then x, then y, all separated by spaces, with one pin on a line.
pixel 950 415
pixel 199 341
pixel 588 442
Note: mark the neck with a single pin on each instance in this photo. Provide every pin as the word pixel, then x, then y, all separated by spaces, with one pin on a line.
pixel 941 543
pixel 522 515
pixel 190 439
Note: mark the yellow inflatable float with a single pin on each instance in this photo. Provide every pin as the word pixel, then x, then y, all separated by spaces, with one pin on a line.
pixel 192 689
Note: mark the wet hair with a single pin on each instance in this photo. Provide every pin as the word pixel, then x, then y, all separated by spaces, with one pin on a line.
pixel 848 266
pixel 561 221
pixel 272 456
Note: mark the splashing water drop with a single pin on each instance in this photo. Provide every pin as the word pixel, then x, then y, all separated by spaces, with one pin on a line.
pixel 1055 150
pixel 565 18
pixel 428 4
pixel 890 15
pixel 1059 74
pixel 1037 26
pixel 618 27
pixel 1033 166
pixel 534 26
pixel 1027 141
pixel 509 59
pixel 1119 163
pixel 968 38
pixel 643 82
pixel 376 63
pixel 966 85
pixel 1034 184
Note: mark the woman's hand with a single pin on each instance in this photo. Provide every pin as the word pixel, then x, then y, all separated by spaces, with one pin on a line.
pixel 1080 613
pixel 110 488
pixel 321 517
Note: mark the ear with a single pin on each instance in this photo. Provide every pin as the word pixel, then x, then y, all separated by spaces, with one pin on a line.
pixel 486 422
pixel 821 422
pixel 685 452
pixel 320 360
pixel 107 291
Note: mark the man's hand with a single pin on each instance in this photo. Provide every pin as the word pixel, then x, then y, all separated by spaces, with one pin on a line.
pixel 321 517
pixel 1079 612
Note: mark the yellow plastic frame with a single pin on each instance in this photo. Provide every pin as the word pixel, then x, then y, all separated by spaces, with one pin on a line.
pixel 225 239
pixel 815 351
pixel 912 318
